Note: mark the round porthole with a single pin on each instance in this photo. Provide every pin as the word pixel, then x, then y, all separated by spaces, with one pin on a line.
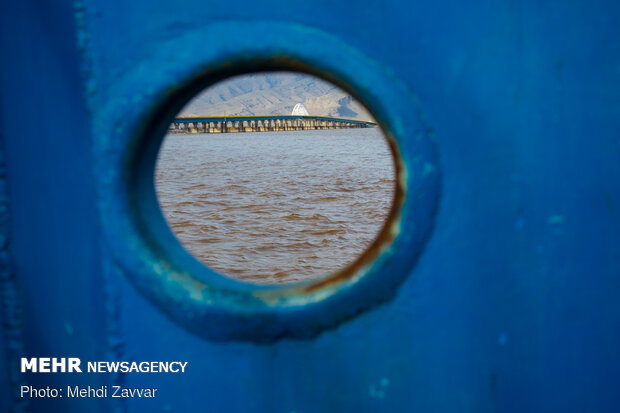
pixel 220 307
pixel 276 178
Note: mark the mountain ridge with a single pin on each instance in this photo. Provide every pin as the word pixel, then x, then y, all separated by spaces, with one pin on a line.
pixel 275 93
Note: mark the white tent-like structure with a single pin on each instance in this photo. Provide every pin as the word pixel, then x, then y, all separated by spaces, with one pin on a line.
pixel 300 110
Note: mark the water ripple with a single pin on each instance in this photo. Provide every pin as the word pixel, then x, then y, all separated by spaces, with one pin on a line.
pixel 276 207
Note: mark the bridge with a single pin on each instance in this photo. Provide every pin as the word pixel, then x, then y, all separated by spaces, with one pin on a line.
pixel 225 124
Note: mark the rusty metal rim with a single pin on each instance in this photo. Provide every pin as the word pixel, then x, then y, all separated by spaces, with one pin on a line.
pixel 178 97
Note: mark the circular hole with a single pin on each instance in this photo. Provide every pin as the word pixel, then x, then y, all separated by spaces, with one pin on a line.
pixel 276 177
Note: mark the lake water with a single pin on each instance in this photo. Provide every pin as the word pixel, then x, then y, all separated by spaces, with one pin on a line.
pixel 275 207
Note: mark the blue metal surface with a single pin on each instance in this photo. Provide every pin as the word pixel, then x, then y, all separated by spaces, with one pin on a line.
pixel 498 293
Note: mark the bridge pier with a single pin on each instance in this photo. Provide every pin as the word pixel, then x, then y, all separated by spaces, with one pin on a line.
pixel 262 124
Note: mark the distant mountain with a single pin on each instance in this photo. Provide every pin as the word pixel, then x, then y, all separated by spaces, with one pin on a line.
pixel 275 92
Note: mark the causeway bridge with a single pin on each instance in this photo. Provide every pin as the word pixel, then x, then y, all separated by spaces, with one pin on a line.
pixel 225 124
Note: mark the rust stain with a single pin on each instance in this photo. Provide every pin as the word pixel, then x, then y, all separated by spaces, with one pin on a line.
pixel 385 237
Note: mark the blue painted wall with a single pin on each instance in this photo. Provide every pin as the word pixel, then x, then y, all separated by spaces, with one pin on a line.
pixel 512 306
